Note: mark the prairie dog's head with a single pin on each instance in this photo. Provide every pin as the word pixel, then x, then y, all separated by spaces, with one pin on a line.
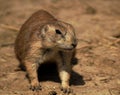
pixel 59 35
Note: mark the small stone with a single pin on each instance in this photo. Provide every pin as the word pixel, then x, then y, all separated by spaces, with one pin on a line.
pixel 3 60
pixel 87 78
pixel 118 81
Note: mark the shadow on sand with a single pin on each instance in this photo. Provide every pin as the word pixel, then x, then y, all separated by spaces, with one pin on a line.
pixel 48 72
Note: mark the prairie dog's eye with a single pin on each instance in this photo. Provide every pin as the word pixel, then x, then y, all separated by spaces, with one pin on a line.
pixel 58 31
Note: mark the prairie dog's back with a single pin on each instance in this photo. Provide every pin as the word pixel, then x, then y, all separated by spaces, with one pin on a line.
pixel 38 18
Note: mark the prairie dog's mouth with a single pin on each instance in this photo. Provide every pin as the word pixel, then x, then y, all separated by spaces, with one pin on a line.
pixel 67 48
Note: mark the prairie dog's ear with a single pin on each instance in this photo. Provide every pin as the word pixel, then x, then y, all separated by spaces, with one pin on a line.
pixel 47 29
pixel 44 30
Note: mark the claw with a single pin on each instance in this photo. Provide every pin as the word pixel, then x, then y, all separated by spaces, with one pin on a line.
pixel 35 87
pixel 66 90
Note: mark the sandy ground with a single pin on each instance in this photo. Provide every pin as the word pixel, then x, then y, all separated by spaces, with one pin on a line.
pixel 97 24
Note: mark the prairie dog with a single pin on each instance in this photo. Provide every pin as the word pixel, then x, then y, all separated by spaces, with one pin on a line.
pixel 44 38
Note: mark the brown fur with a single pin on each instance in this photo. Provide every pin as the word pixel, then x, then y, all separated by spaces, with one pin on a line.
pixel 43 38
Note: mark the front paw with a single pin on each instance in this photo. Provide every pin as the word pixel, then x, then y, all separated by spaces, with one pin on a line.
pixel 35 86
pixel 67 90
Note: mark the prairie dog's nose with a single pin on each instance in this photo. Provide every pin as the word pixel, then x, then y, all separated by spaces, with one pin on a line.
pixel 74 45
